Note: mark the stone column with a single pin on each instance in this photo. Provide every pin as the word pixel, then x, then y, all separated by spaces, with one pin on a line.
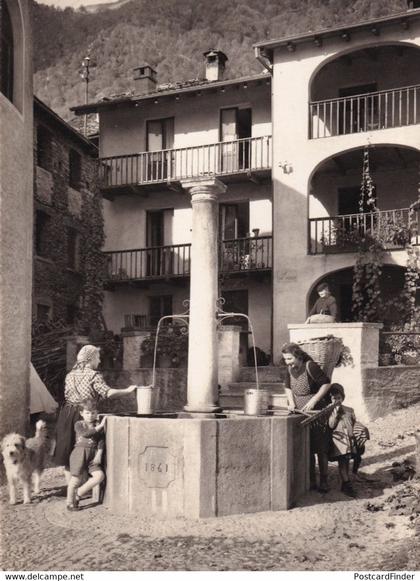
pixel 202 350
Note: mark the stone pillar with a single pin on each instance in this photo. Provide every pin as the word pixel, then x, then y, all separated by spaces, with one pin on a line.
pixel 132 341
pixel 229 338
pixel 362 343
pixel 202 349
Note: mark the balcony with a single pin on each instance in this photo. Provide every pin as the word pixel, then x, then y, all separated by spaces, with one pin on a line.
pixel 249 158
pixel 366 112
pixel 339 234
pixel 241 255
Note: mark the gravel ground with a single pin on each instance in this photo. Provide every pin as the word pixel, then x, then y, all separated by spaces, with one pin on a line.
pixel 324 532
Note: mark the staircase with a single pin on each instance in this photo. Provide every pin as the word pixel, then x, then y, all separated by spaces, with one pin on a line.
pixel 270 378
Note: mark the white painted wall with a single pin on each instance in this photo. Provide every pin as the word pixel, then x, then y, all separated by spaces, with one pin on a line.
pixel 395 188
pixel 294 270
pixel 197 118
pixel 125 217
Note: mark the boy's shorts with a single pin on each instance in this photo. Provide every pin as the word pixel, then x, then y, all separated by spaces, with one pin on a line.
pixel 81 460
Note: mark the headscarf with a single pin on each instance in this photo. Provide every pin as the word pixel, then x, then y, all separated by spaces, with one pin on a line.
pixel 85 356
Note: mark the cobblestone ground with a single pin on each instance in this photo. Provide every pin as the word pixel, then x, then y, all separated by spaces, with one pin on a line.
pixel 324 532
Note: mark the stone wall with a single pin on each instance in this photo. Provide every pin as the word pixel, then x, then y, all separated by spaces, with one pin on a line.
pixel 171 386
pixel 58 283
pixel 390 388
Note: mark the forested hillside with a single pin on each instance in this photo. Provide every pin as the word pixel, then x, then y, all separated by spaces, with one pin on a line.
pixel 171 35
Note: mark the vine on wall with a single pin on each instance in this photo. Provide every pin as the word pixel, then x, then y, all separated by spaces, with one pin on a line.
pixel 367 303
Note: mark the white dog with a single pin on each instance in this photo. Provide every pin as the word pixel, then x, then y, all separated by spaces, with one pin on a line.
pixel 24 458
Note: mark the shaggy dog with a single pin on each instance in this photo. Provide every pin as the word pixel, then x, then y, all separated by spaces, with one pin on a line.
pixel 24 458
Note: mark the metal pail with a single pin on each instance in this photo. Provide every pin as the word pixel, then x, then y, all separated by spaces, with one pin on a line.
pixel 256 402
pixel 145 400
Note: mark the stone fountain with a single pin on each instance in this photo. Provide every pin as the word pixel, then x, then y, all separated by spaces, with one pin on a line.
pixel 201 463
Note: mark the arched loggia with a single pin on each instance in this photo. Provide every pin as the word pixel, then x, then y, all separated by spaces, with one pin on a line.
pixel 374 87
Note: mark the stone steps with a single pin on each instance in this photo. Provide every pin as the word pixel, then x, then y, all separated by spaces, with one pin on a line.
pixel 268 373
pixel 270 379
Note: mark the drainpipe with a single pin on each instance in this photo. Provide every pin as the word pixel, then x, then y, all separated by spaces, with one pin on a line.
pixel 262 58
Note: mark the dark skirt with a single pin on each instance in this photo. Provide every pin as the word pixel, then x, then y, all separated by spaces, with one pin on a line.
pixel 320 440
pixel 65 434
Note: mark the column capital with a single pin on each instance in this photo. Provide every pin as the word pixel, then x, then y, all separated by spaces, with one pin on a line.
pixel 204 188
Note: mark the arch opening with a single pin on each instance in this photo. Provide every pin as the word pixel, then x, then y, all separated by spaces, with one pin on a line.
pixel 334 199
pixel 375 87
pixel 340 283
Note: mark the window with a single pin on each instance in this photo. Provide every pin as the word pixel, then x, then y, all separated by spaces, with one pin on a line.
pixel 6 52
pixel 234 220
pixel 72 249
pixel 71 313
pixel 75 169
pixel 43 313
pixel 159 306
pixel 160 136
pixel 44 147
pixel 41 233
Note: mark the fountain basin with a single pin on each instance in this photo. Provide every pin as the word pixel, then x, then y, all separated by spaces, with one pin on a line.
pixel 205 467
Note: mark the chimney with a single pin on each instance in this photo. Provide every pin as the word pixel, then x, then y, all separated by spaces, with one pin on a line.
pixel 215 64
pixel 412 4
pixel 145 78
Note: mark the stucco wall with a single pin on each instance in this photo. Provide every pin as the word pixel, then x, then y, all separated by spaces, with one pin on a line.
pixel 390 67
pixel 395 188
pixel 125 217
pixel 16 200
pixel 294 271
pixel 197 119
pixel 390 388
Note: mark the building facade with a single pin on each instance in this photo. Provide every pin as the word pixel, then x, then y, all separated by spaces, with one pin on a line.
pixel 68 225
pixel 336 95
pixel 290 147
pixel 149 145
pixel 16 200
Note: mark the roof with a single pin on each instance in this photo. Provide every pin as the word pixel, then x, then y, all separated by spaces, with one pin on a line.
pixel 168 90
pixel 65 127
pixel 373 25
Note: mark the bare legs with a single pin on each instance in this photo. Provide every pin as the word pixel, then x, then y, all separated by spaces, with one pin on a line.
pixel 96 478
pixel 323 472
pixel 343 469
pixel 75 489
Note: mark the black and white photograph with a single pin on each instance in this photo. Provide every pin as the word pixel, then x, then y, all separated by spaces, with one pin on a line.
pixel 210 288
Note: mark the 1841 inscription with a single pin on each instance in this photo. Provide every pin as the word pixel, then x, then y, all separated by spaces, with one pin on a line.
pixel 156 467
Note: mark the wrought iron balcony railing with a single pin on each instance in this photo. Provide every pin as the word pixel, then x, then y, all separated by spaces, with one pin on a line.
pixel 338 234
pixel 366 112
pixel 238 255
pixel 248 155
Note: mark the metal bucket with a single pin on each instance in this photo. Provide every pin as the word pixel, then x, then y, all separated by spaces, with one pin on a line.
pixel 256 402
pixel 144 400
